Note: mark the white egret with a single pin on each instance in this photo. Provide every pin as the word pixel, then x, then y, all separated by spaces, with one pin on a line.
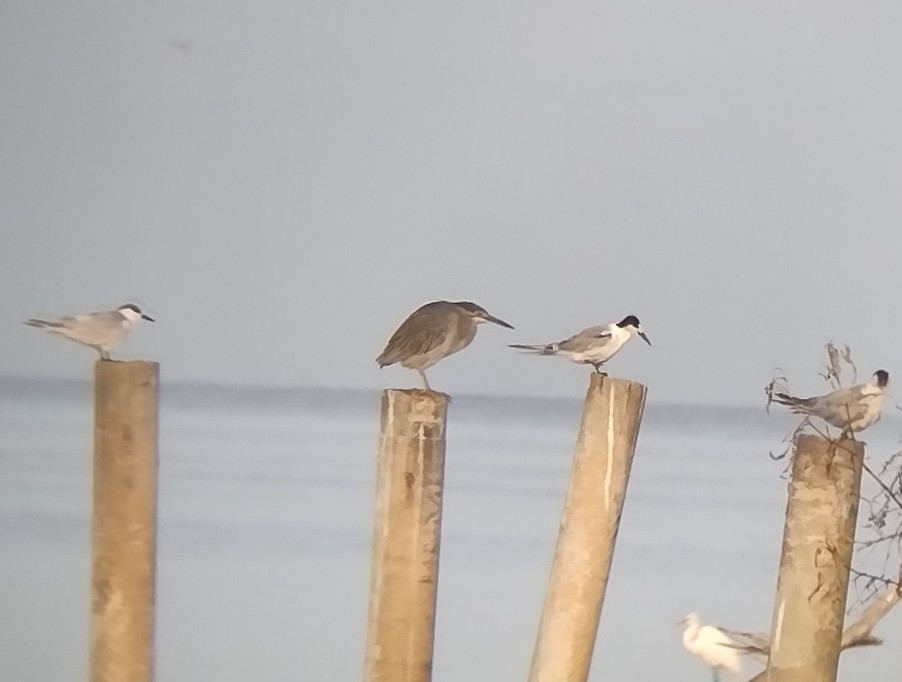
pixel 712 645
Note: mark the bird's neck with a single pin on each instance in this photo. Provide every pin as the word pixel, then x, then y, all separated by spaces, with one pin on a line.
pixel 689 635
pixel 468 330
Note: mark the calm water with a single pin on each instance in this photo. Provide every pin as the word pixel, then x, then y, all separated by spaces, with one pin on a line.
pixel 265 521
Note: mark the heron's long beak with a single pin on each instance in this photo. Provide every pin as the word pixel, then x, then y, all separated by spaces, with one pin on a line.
pixel 147 317
pixel 492 318
pixel 644 338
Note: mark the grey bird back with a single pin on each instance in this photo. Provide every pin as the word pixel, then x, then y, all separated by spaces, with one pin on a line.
pixel 591 337
pixel 847 401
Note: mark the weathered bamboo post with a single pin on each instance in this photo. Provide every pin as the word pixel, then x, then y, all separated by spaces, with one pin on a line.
pixel 821 517
pixel 585 546
pixel 406 538
pixel 124 521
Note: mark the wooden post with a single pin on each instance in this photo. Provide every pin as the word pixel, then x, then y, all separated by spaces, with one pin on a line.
pixel 124 521
pixel 585 546
pixel 410 481
pixel 821 517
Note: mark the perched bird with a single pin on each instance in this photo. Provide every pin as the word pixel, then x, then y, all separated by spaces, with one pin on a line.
pixel 850 409
pixel 102 331
pixel 593 346
pixel 711 644
pixel 432 332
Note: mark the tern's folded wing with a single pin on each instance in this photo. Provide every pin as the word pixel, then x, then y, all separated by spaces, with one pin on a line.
pixel 593 337
pixel 845 406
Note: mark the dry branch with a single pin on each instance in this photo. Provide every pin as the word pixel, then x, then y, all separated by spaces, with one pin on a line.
pixel 859 633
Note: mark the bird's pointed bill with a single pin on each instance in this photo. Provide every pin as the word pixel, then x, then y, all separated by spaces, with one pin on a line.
pixel 147 317
pixel 644 338
pixel 492 318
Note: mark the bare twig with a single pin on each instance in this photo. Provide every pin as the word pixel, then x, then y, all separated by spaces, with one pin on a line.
pixel 847 357
pixel 779 384
pixel 833 369
pixel 883 485
pixel 859 633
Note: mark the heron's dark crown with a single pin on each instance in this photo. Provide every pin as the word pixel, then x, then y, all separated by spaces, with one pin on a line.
pixel 472 308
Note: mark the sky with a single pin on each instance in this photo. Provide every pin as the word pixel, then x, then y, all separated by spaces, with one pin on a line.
pixel 281 183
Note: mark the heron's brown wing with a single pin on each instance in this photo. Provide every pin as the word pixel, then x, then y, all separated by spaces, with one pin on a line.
pixel 425 329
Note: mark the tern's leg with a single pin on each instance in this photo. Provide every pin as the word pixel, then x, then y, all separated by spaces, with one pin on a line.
pixel 103 354
pixel 715 675
pixel 597 366
pixel 425 380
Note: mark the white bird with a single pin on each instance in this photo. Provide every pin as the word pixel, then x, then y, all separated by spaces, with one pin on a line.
pixel 850 409
pixel 103 330
pixel 594 345
pixel 712 645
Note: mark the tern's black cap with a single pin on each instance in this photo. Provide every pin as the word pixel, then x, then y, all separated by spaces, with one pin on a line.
pixel 629 320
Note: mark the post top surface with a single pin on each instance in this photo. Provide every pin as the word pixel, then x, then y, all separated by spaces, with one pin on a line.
pixel 413 393
pixel 811 441
pixel 417 404
pixel 599 380
pixel 125 363
pixel 133 370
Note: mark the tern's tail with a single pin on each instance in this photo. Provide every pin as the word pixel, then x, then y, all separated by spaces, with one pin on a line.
pixel 796 404
pixel 42 324
pixel 549 349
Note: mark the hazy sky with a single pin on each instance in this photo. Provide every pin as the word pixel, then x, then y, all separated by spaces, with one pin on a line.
pixel 281 183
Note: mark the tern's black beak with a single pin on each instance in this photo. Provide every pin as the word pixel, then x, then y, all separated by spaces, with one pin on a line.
pixel 492 318
pixel 147 317
pixel 644 337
